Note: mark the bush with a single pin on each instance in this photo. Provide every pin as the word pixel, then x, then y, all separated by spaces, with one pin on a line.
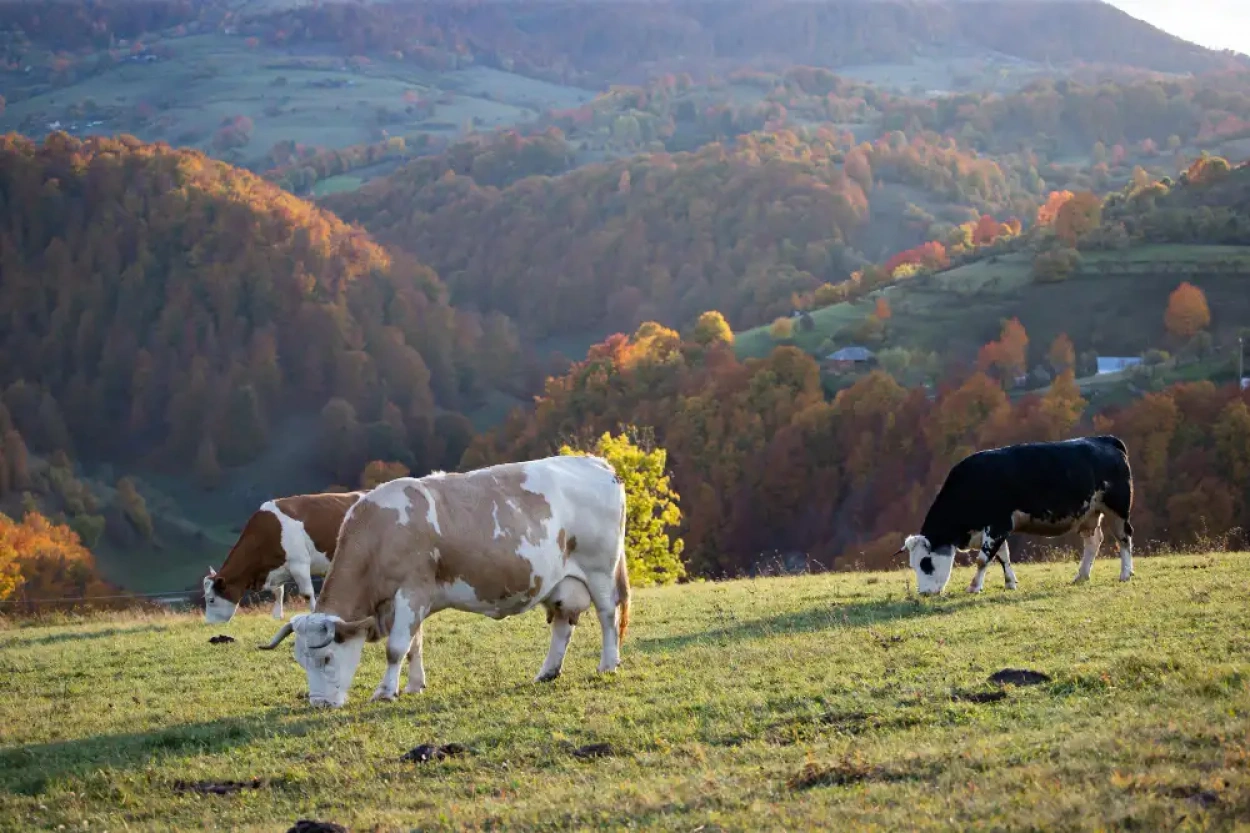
pixel 653 556
pixel 781 330
pixel 1055 265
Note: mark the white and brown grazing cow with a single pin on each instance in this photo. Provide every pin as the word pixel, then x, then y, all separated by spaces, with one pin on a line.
pixel 291 538
pixel 497 541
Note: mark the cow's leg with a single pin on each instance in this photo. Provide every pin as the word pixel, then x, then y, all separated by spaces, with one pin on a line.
pixel 1122 534
pixel 602 587
pixel 1091 537
pixel 277 591
pixel 409 614
pixel 416 664
pixel 303 580
pixel 991 540
pixel 1004 558
pixel 1119 502
pixel 569 601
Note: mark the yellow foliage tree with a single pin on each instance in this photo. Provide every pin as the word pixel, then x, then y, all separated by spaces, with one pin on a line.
pixel 781 329
pixel 653 555
pixel 712 327
pixel 40 559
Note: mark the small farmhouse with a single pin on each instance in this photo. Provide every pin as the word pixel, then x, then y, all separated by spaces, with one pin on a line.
pixel 849 358
pixel 1115 364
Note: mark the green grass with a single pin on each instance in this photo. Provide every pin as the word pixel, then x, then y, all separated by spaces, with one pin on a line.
pixel 773 704
pixel 1113 306
pixel 212 77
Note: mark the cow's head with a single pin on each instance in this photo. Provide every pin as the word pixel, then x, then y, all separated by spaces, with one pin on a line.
pixel 217 608
pixel 933 567
pixel 329 650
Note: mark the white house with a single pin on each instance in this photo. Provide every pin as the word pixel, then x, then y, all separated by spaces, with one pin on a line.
pixel 1115 364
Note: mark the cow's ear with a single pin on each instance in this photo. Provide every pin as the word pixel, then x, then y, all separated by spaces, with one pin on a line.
pixel 344 631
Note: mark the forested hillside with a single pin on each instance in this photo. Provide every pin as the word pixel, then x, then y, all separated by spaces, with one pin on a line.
pixel 165 306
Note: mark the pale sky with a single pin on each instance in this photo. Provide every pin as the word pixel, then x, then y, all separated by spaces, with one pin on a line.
pixel 1216 24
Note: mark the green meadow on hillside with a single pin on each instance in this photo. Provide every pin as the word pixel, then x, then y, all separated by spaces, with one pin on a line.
pixel 1113 304
pixel 319 100
pixel 831 702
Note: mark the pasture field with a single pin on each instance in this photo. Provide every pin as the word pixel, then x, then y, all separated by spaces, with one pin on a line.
pixel 1114 304
pixel 833 702
pixel 316 98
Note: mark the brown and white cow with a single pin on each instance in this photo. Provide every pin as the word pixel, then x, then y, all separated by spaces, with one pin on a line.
pixel 288 538
pixel 497 541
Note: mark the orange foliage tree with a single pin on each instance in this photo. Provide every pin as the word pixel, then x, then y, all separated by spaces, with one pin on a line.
pixel 1078 216
pixel 1008 356
pixel 1187 312
pixel 40 560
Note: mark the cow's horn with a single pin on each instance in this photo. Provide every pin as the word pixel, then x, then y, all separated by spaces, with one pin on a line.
pixel 283 633
pixel 901 551
pixel 211 571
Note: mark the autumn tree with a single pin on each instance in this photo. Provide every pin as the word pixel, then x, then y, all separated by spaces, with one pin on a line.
pixel 1048 212
pixel 782 329
pixel 134 508
pixel 881 309
pixel 1008 356
pixel 378 472
pixel 712 327
pixel 1062 354
pixel 1078 216
pixel 1187 312
pixel 40 559
pixel 652 552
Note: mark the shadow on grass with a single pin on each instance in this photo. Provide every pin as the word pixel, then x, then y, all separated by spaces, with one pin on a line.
pixel 29 770
pixel 854 614
pixel 19 641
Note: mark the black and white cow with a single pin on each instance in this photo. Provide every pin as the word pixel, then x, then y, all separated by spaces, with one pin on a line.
pixel 1046 489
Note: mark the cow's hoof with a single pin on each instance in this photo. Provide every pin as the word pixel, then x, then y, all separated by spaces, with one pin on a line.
pixel 546 676
pixel 277 614
pixel 1080 579
pixel 1125 577
pixel 609 669
pixel 411 690
pixel 383 694
pixel 972 588
pixel 1011 586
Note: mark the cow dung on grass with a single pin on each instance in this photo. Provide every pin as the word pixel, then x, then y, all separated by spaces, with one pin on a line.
pixel 311 826
pixel 431 752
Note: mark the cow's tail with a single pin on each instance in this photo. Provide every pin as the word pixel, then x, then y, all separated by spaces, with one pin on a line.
pixel 622 579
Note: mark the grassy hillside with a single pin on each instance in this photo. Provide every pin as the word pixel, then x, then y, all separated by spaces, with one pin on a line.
pixel 817 702
pixel 1113 303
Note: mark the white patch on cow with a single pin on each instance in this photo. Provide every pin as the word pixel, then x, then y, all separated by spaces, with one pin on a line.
pixel 932 581
pixel 329 665
pixel 216 608
pixel 1092 541
pixel 978 579
pixel 460 595
pixel 392 495
pixel 494 516
pixel 397 642
pixel 303 559
pixel 1126 560
pixel 431 514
